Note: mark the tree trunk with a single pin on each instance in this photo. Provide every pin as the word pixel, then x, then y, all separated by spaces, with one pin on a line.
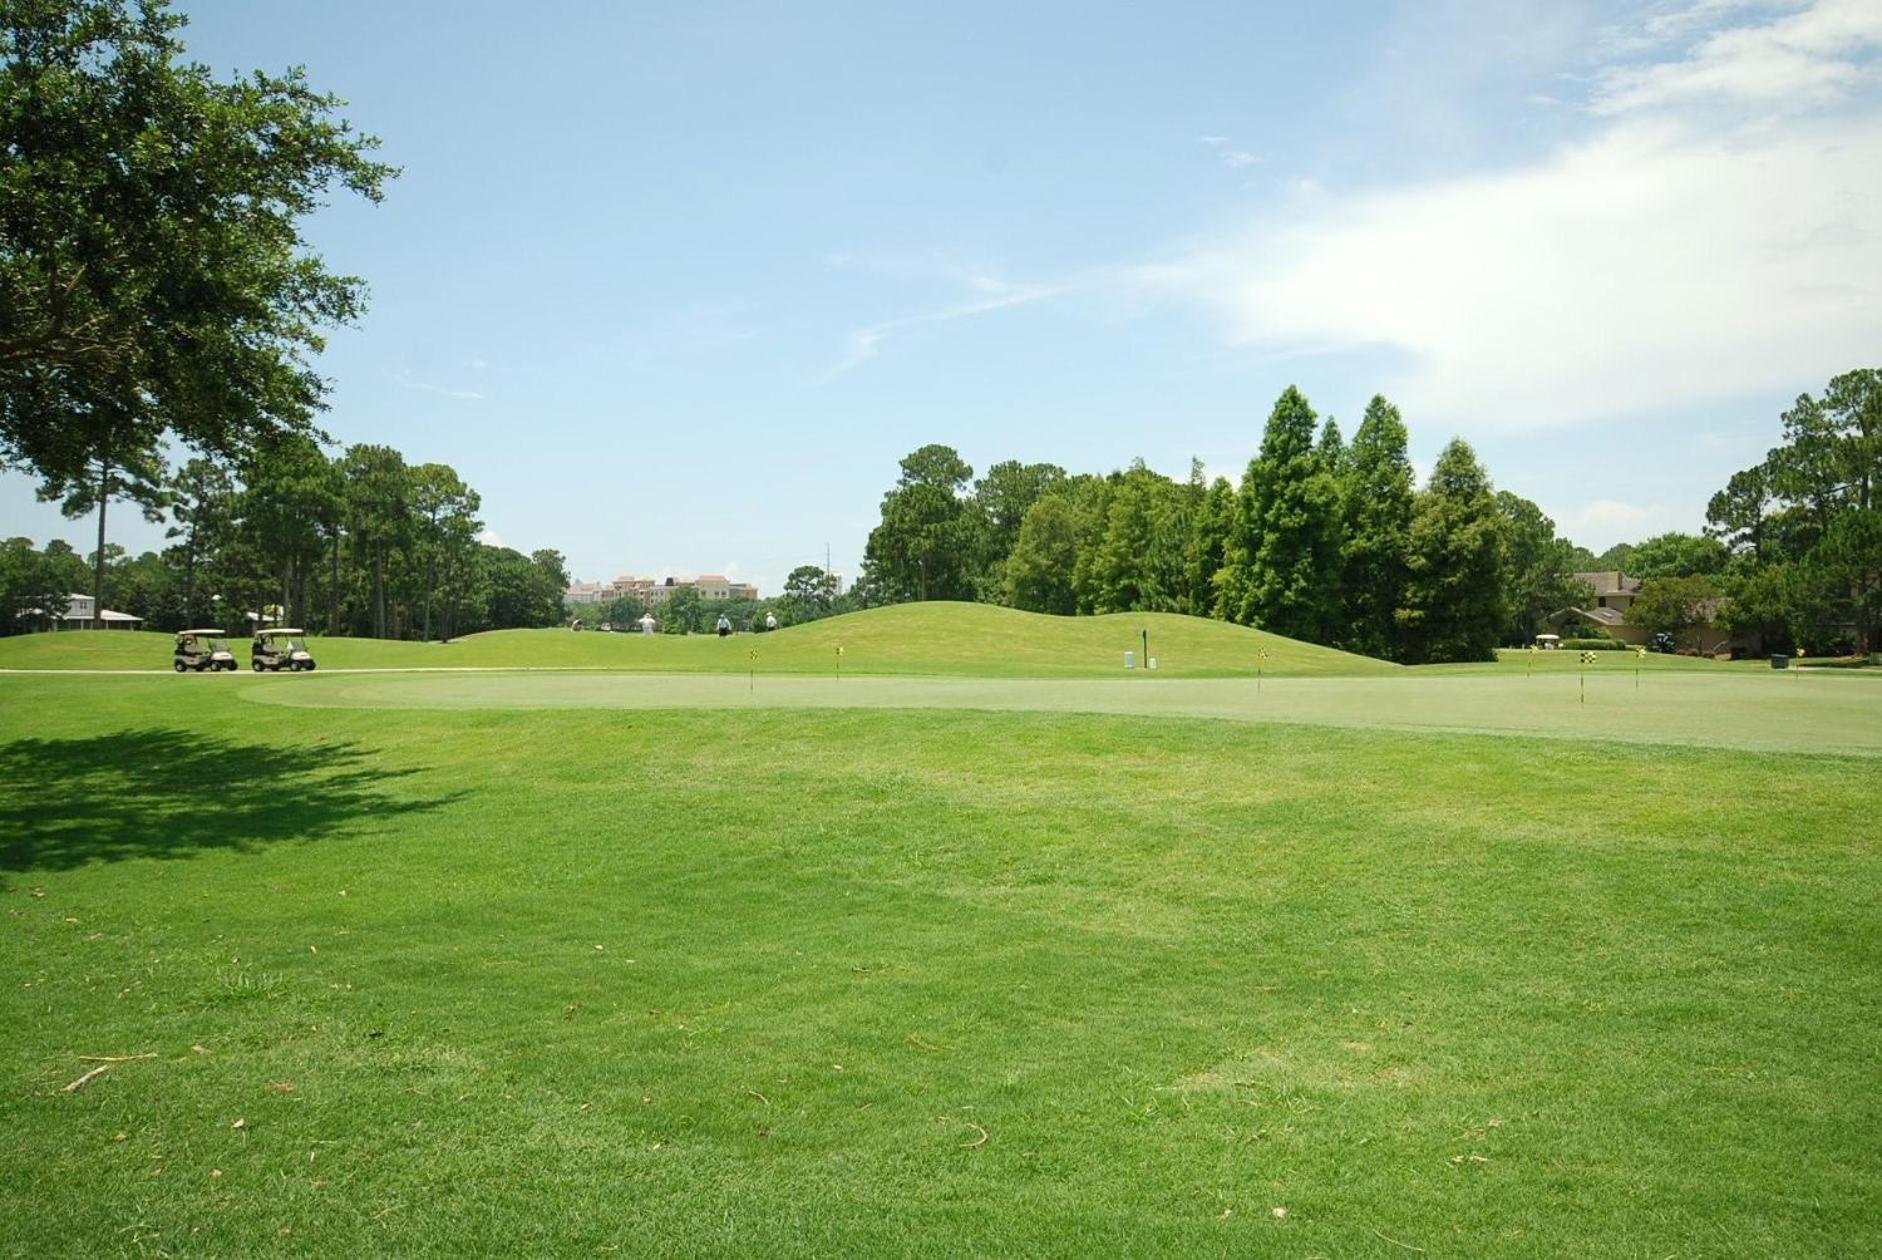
pixel 98 566
pixel 379 595
pixel 333 596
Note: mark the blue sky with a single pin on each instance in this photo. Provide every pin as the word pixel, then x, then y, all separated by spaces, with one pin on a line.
pixel 674 286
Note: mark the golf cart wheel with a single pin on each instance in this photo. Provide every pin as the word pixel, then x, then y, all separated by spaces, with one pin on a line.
pixel 309 667
pixel 179 666
pixel 256 665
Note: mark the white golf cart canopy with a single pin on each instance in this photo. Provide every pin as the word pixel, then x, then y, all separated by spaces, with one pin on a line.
pixel 203 634
pixel 284 630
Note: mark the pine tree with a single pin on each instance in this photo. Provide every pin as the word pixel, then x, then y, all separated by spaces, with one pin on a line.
pixel 1454 607
pixel 1377 500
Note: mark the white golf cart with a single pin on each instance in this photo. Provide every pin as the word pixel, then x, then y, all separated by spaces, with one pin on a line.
pixel 280 649
pixel 198 650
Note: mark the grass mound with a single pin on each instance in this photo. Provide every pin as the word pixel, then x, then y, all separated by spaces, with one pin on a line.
pixel 931 638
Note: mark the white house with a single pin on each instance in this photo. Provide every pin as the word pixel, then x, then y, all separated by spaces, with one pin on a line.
pixel 81 614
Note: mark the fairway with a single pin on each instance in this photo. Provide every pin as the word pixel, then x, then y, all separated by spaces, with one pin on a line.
pixel 1714 709
pixel 657 964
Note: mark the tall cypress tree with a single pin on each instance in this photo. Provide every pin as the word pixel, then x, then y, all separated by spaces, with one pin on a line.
pixel 1293 525
pixel 1454 607
pixel 1377 500
pixel 1210 527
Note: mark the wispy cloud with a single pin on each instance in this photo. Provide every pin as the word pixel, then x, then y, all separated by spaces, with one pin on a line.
pixel 1664 257
pixel 991 294
pixel 406 381
pixel 1227 153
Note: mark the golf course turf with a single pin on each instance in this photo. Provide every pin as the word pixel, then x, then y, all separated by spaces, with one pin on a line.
pixel 597 964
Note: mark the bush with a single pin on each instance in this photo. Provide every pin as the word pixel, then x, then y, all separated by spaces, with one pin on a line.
pixel 1595 645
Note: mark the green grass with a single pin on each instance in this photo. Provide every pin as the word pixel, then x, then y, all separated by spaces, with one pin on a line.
pixel 932 638
pixel 697 981
pixel 1720 709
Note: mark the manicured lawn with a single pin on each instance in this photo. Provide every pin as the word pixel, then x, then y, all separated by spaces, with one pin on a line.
pixel 1825 712
pixel 933 638
pixel 773 981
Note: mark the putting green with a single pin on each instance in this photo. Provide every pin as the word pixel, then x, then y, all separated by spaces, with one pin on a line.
pixel 1751 711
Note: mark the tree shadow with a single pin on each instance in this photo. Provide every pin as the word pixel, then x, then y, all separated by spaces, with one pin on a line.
pixel 172 793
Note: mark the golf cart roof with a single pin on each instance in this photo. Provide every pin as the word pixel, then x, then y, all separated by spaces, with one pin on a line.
pixel 214 634
pixel 280 630
pixel 1541 637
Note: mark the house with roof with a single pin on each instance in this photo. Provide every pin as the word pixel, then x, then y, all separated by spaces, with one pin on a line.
pixel 1614 594
pixel 82 613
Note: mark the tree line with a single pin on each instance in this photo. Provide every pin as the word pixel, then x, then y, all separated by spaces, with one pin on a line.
pixel 1792 551
pixel 360 543
pixel 1323 539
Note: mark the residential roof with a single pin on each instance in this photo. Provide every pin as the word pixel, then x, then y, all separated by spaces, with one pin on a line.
pixel 1610 582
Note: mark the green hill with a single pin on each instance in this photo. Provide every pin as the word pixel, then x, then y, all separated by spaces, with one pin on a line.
pixel 931 638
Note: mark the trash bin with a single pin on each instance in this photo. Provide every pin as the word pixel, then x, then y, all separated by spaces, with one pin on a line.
pixel 1780 661
pixel 1130 660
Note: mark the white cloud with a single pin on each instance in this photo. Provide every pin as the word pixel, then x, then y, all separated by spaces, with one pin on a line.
pixel 1655 263
pixel 491 538
pixel 1600 524
pixel 1801 60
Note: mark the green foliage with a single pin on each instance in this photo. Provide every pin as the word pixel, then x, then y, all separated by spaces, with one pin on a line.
pixel 1672 605
pixel 153 277
pixel 1213 524
pixel 1139 564
pixel 32 585
pixel 809 594
pixel 1737 514
pixel 1677 555
pixel 1375 542
pixel 1619 557
pixel 1540 576
pixel 1039 571
pixel 1809 553
pixel 1002 497
pixel 1290 531
pixel 1455 606
pixel 928 543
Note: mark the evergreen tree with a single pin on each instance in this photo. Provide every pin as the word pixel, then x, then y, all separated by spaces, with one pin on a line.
pixel 1332 448
pixel 1138 557
pixel 1209 530
pixel 1455 607
pixel 1374 553
pixel 1293 526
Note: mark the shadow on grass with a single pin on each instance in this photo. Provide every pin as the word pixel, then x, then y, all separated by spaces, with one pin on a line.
pixel 172 793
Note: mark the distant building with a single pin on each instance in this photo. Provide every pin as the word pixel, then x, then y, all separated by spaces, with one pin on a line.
pixel 656 591
pixel 1614 594
pixel 81 613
